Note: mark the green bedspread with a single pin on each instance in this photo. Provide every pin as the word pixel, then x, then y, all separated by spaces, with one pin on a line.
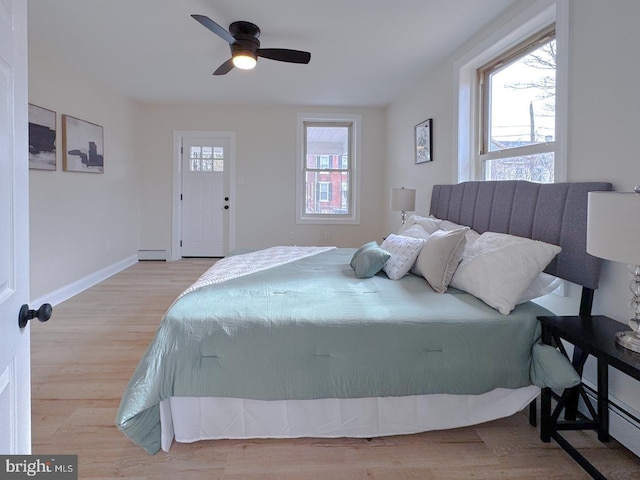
pixel 310 329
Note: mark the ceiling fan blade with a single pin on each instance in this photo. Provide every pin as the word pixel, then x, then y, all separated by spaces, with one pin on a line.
pixel 285 55
pixel 224 68
pixel 215 28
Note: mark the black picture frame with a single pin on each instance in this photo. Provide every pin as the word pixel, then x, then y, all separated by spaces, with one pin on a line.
pixel 42 138
pixel 424 141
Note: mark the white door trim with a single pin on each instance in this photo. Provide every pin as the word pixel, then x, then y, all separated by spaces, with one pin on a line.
pixel 176 223
pixel 15 358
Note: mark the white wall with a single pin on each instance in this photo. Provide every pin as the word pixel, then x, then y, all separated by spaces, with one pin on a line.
pixel 265 171
pixel 81 223
pixel 604 101
pixel 432 98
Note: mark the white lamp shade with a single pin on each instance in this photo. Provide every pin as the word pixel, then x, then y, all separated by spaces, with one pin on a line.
pixel 613 226
pixel 403 199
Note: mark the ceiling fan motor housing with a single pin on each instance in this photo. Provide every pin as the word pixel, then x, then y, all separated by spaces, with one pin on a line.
pixel 246 35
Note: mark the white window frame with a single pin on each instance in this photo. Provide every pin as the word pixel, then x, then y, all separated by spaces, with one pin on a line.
pixel 353 218
pixel 528 22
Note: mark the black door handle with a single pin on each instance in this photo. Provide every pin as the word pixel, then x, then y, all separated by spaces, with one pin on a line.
pixel 43 314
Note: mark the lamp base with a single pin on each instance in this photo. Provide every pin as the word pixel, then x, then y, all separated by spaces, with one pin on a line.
pixel 628 340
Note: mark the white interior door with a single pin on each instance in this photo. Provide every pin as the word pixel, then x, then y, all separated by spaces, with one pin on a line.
pixel 15 377
pixel 205 197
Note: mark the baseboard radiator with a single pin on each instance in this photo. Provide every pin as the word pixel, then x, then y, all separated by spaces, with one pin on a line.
pixel 624 421
pixel 152 255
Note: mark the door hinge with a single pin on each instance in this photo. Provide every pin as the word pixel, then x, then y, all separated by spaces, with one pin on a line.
pixel 180 242
pixel 181 150
pixel 180 197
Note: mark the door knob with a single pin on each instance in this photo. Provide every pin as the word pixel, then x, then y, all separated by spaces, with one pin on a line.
pixel 43 314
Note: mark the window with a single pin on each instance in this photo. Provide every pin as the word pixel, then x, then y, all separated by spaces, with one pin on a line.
pixel 327 169
pixel 324 191
pixel 324 162
pixel 517 107
pixel 206 159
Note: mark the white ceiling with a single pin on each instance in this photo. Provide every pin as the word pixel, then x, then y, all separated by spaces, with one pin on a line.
pixel 363 52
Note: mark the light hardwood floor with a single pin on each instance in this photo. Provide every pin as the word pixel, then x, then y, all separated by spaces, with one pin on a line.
pixel 84 356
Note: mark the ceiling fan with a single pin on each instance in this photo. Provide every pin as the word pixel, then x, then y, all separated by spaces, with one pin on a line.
pixel 242 37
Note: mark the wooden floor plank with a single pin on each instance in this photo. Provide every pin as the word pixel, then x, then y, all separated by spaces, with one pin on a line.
pixel 84 356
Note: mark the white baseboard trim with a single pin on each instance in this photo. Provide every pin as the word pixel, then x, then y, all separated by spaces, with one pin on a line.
pixel 74 288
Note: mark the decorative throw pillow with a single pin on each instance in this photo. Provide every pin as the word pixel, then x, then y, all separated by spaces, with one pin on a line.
pixel 370 261
pixel 498 268
pixel 360 250
pixel 440 256
pixel 404 251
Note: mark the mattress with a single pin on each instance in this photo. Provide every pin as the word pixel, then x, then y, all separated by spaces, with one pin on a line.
pixel 307 329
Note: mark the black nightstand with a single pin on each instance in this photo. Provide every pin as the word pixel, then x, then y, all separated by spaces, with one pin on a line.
pixel 591 335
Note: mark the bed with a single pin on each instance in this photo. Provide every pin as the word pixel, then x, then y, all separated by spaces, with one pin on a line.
pixel 298 342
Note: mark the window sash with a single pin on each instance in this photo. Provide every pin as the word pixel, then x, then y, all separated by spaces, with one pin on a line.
pixel 508 58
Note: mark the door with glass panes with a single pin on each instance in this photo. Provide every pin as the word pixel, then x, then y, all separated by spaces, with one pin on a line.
pixel 205 197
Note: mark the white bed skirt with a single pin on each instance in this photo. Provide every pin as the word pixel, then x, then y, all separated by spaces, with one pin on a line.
pixel 190 419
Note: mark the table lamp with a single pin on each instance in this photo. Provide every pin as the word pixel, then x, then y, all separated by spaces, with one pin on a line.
pixel 613 233
pixel 403 200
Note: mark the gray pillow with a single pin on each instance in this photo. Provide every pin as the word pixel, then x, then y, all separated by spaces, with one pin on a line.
pixel 440 256
pixel 369 261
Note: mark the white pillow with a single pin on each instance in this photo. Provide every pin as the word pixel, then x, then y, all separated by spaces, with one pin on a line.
pixel 448 225
pixel 498 268
pixel 404 251
pixel 471 235
pixel 416 231
pixel 430 224
pixel 543 284
pixel 440 256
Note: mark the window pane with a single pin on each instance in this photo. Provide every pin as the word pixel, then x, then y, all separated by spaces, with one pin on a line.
pixel 327 192
pixel 535 168
pixel 207 164
pixel 522 97
pixel 194 157
pixel 327 147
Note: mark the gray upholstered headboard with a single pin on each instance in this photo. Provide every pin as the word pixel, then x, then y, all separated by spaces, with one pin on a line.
pixel 553 213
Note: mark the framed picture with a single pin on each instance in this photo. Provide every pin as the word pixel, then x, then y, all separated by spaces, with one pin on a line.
pixel 424 141
pixel 82 146
pixel 42 138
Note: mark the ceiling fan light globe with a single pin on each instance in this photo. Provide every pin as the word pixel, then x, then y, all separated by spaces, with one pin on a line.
pixel 244 61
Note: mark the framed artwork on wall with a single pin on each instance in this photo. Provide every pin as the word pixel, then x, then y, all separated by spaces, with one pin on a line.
pixel 82 146
pixel 424 141
pixel 42 138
